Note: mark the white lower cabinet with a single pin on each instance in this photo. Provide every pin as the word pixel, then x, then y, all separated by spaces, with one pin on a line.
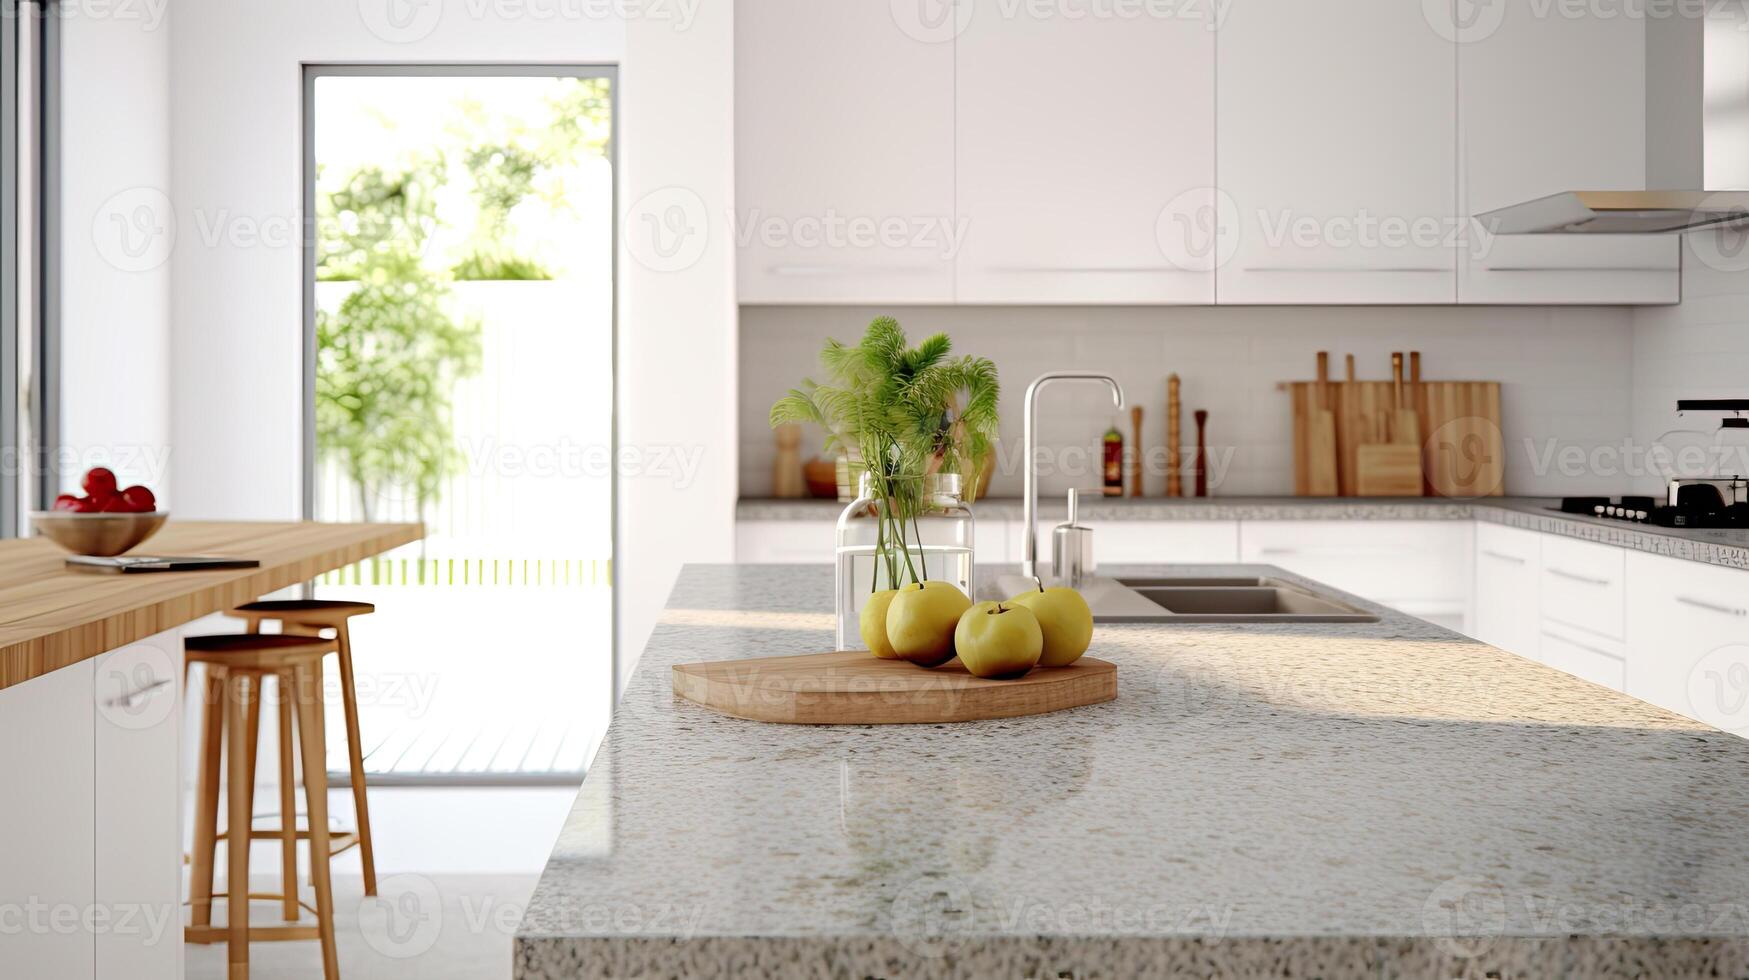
pixel 1688 638
pixel 1584 586
pixel 48 825
pixel 139 809
pixel 1508 610
pixel 1596 660
pixel 91 867
pixel 1419 567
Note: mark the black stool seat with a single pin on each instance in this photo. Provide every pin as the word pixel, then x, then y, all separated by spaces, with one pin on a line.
pixel 272 607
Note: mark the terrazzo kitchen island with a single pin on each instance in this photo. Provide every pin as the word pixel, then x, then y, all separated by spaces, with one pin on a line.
pixel 1386 799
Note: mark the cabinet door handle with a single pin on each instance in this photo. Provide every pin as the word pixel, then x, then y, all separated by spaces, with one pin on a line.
pixel 1279 551
pixel 1576 577
pixel 133 698
pixel 1514 559
pixel 1580 646
pixel 1711 606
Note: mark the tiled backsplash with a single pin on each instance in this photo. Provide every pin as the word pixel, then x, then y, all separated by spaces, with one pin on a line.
pixel 1567 376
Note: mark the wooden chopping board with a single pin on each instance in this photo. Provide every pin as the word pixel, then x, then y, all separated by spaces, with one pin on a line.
pixel 857 688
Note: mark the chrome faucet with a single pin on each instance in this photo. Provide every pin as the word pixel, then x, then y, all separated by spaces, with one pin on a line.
pixel 1029 554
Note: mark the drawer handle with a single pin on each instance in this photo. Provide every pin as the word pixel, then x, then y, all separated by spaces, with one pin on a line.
pixel 1711 606
pixel 1581 646
pixel 133 698
pixel 1279 551
pixel 1514 559
pixel 1576 577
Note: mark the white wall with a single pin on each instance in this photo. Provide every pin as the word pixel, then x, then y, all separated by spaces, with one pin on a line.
pixel 1699 349
pixel 1566 374
pixel 235 95
pixel 115 286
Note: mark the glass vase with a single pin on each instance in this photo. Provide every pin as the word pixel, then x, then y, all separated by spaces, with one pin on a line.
pixel 900 530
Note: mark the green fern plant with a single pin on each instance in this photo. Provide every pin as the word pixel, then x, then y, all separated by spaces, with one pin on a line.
pixel 901 413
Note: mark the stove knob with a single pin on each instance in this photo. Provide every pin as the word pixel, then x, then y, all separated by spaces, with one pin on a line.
pixel 1639 515
pixel 1598 510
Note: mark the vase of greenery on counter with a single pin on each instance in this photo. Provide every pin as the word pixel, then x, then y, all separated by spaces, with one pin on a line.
pixel 919 425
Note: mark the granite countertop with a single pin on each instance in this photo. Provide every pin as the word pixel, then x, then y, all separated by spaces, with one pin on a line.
pixel 1714 547
pixel 1387 799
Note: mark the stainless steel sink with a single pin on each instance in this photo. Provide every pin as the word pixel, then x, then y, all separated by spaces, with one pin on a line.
pixel 1223 600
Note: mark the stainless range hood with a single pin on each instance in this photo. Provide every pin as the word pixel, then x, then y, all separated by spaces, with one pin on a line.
pixel 1618 213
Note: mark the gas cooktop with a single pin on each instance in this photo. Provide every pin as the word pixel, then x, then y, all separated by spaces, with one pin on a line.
pixel 1647 510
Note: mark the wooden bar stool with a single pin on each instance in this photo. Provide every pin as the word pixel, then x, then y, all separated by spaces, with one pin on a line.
pixel 311 616
pixel 236 667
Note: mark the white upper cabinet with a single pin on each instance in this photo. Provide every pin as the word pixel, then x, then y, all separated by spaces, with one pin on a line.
pixel 1553 103
pixel 1336 134
pixel 1085 154
pixel 843 153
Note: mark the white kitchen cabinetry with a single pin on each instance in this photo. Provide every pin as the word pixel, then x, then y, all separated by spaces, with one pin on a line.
pixel 1419 567
pixel 844 150
pixel 1145 542
pixel 1081 142
pixel 138 808
pixel 1688 638
pixel 1335 127
pixel 785 542
pixel 47 819
pixel 1583 586
pixel 1583 655
pixel 810 542
pixel 1523 136
pixel 1508 566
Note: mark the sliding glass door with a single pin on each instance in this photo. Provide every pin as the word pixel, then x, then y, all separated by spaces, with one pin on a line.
pixel 461 314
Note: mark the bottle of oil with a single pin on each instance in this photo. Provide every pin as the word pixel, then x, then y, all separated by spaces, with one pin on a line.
pixel 1113 461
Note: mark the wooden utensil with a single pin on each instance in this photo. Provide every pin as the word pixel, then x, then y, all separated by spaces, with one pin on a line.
pixel 786 469
pixel 1405 421
pixel 1466 453
pixel 1389 466
pixel 857 688
pixel 1202 455
pixel 1136 451
pixel 1321 438
pixel 1174 441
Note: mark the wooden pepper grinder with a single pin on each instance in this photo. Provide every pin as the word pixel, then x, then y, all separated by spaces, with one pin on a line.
pixel 1174 444
pixel 1136 451
pixel 1202 452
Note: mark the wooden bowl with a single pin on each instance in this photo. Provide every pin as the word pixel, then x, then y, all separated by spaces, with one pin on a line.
pixel 822 477
pixel 103 535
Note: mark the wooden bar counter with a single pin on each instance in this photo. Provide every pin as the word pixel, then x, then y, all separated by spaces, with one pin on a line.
pixel 52 617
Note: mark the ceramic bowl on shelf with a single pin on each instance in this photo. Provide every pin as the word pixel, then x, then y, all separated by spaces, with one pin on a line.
pixel 103 535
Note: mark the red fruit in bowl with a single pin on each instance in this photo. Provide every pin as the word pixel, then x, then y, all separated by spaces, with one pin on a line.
pixel 85 505
pixel 65 501
pixel 139 500
pixel 99 481
pixel 109 503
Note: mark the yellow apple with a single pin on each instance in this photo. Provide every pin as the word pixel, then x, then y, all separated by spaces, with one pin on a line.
pixel 1066 621
pixel 998 639
pixel 872 624
pixel 921 619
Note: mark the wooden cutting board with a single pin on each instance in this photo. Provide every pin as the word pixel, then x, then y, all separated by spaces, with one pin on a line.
pixel 857 688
